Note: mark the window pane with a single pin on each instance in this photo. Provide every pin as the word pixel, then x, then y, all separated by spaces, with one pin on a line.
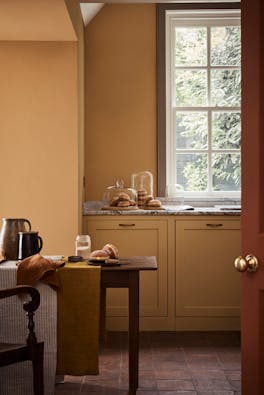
pixel 190 46
pixel 192 170
pixel 226 130
pixel 225 46
pixel 190 88
pixel 225 87
pixel 226 172
pixel 191 130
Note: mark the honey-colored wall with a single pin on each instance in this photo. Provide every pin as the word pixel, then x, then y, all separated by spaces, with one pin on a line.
pixel 39 139
pixel 120 121
pixel 42 118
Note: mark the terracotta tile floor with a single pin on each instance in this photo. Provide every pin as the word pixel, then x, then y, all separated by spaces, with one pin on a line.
pixel 170 363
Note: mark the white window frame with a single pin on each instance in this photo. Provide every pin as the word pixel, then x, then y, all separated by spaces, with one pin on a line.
pixel 185 18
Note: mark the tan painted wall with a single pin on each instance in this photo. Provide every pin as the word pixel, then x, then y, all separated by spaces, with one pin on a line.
pixel 39 139
pixel 120 95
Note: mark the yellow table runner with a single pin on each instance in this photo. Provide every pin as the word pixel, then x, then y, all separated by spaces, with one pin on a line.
pixel 78 319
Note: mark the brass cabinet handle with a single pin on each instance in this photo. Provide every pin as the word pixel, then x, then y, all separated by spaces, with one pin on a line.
pixel 214 225
pixel 127 225
pixel 249 263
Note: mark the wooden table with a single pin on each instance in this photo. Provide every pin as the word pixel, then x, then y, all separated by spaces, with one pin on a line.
pixel 127 276
pixel 124 276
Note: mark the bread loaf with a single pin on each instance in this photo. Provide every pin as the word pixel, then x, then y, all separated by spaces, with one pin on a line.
pixel 112 250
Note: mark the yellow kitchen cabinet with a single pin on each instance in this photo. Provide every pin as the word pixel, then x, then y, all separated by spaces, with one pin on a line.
pixel 196 286
pixel 207 290
pixel 136 236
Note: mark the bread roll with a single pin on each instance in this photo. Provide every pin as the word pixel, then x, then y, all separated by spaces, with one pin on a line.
pixel 154 203
pixel 114 201
pixel 99 254
pixel 148 198
pixel 123 203
pixel 123 196
pixel 112 250
pixel 142 192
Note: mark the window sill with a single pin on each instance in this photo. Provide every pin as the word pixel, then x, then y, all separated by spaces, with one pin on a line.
pixel 201 202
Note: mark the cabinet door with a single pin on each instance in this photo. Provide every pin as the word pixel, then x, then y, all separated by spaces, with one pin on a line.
pixel 135 237
pixel 206 283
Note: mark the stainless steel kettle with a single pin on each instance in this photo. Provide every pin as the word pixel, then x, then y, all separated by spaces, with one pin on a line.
pixel 9 236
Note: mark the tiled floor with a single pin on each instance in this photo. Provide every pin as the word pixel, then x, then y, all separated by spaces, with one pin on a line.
pixel 170 363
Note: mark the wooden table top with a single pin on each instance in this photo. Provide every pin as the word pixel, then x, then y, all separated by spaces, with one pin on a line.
pixel 134 263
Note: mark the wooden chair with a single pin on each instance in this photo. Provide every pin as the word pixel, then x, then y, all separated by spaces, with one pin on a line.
pixel 31 350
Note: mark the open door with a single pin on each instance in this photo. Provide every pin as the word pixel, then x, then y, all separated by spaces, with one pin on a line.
pixel 252 302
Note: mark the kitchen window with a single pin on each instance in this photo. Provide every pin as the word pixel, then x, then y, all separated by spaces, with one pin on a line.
pixel 199 113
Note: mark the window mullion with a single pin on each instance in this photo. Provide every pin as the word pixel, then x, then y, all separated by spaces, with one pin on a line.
pixel 170 103
pixel 210 159
pixel 209 112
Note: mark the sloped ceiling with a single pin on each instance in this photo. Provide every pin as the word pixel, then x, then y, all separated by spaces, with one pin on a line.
pixel 35 20
pixel 89 10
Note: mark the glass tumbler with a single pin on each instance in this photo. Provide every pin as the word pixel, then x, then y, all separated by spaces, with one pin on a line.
pixel 83 246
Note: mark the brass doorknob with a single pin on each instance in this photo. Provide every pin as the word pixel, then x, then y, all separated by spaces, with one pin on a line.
pixel 249 263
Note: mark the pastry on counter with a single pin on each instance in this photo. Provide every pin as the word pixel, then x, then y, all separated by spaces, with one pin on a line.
pixel 153 203
pixel 121 201
pixel 142 193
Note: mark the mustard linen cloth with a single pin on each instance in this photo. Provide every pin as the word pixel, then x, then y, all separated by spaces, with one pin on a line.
pixel 78 319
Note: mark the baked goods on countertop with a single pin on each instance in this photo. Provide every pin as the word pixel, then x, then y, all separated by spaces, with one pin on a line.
pixel 147 202
pixel 153 204
pixel 142 194
pixel 117 197
pixel 121 201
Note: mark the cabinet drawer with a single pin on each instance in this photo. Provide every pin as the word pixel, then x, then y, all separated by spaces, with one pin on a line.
pixel 209 224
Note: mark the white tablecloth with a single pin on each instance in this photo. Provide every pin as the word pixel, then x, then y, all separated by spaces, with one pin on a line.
pixel 17 379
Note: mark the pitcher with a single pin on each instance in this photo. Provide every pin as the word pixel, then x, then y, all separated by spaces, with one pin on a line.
pixel 9 235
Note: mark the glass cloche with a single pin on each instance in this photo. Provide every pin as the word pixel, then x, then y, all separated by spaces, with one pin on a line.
pixel 117 197
pixel 142 182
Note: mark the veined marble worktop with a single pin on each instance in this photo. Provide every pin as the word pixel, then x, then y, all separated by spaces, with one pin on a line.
pixel 168 210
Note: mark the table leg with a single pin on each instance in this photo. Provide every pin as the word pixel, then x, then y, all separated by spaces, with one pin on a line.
pixel 133 331
pixel 102 328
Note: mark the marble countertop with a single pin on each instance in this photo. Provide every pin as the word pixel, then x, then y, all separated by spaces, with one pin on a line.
pixel 168 210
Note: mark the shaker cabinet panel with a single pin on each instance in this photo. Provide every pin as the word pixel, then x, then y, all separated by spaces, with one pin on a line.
pixel 135 237
pixel 207 285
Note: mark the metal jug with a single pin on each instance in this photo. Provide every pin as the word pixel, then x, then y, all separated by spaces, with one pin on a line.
pixel 9 235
